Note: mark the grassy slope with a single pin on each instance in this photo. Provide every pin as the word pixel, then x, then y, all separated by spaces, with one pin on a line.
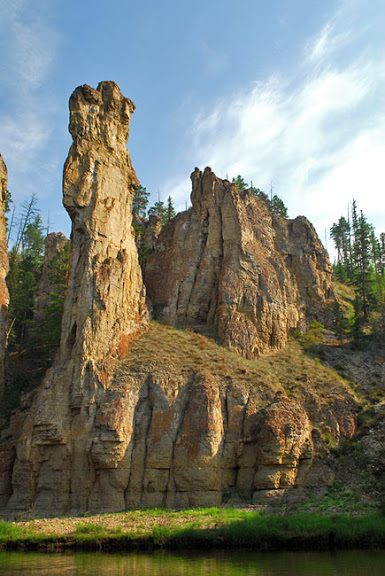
pixel 185 352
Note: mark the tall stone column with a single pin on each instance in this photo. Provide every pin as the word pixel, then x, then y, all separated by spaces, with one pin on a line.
pixel 4 298
pixel 104 309
pixel 105 303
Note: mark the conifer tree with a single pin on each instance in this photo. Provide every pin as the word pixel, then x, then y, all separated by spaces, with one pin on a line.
pixel 240 183
pixel 159 209
pixel 170 210
pixel 362 259
pixel 140 202
pixel 277 206
pixel 25 261
pixel 360 263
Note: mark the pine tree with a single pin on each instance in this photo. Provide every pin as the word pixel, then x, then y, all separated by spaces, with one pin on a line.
pixel 277 206
pixel 361 263
pixel 48 335
pixel 240 183
pixel 140 202
pixel 158 209
pixel 24 270
pixel 362 259
pixel 28 216
pixel 170 210
pixel 341 236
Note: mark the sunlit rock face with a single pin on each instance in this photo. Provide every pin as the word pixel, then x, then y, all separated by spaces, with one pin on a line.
pixel 230 264
pixel 103 434
pixel 104 309
pixel 4 299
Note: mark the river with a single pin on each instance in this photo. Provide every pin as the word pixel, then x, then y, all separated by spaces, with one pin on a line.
pixel 239 563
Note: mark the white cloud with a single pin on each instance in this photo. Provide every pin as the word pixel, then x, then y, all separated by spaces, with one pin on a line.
pixel 327 42
pixel 321 139
pixel 358 172
pixel 22 136
pixel 32 53
pixel 27 47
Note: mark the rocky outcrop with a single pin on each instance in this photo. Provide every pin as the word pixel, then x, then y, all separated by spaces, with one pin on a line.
pixel 3 272
pixel 171 418
pixel 54 243
pixel 230 264
pixel 104 308
pixel 171 433
pixel 152 232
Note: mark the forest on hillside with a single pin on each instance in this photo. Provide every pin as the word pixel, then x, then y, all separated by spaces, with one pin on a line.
pixel 360 265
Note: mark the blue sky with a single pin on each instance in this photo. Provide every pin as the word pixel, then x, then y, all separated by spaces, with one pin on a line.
pixel 288 93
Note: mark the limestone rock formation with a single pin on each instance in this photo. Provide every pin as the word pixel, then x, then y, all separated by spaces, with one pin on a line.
pixel 3 272
pixel 177 421
pixel 147 233
pixel 53 244
pixel 104 308
pixel 230 264
pixel 152 231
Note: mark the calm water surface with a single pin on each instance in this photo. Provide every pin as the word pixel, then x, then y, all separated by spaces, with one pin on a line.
pixel 199 564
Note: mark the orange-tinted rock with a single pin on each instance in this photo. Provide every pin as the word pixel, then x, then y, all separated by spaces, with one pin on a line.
pixel 4 298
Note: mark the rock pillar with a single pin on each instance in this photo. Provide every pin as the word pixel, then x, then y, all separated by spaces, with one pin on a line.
pixel 4 299
pixel 104 309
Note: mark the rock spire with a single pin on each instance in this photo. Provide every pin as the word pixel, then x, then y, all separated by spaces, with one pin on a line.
pixel 4 299
pixel 104 307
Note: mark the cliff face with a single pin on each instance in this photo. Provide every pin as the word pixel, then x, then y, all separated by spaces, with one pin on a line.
pixel 171 417
pixel 186 423
pixel 3 272
pixel 104 308
pixel 53 244
pixel 228 263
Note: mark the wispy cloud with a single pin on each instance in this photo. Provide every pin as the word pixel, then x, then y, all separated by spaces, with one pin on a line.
pixel 33 53
pixel 326 43
pixel 28 51
pixel 319 135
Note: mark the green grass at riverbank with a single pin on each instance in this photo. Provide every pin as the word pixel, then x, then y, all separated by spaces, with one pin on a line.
pixel 202 528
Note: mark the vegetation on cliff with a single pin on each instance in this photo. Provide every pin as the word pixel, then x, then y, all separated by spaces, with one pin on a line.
pixel 33 331
pixel 361 265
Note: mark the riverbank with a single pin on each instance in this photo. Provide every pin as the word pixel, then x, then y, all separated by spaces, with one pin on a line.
pixel 200 529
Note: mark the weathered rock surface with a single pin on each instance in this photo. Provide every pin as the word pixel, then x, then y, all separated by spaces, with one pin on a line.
pixel 4 299
pixel 104 309
pixel 53 245
pixel 178 421
pixel 152 232
pixel 169 432
pixel 229 263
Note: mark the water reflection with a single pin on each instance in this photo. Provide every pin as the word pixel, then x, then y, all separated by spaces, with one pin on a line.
pixel 197 564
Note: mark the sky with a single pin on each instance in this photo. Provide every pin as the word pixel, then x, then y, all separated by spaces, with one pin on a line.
pixel 288 93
